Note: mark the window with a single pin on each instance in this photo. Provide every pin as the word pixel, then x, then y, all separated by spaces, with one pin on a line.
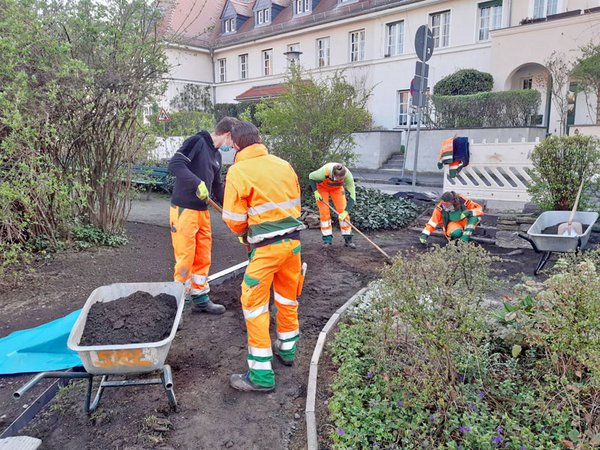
pixel 244 66
pixel 440 27
pixel 323 52
pixel 527 83
pixel 263 16
pixel 229 25
pixel 403 108
pixel 543 8
pixel 394 38
pixel 490 18
pixel 302 6
pixel 222 69
pixel 267 59
pixel 357 45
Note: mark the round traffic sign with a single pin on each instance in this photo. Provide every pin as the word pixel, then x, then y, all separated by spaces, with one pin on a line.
pixel 424 43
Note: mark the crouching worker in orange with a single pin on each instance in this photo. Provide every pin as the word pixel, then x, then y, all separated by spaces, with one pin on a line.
pixel 197 170
pixel 458 216
pixel 330 180
pixel 262 204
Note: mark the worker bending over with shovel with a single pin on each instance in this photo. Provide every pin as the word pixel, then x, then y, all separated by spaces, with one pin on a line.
pixel 196 167
pixel 330 180
pixel 458 216
pixel 262 205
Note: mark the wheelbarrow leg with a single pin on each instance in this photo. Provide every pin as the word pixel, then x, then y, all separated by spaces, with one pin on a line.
pixel 91 407
pixel 543 260
pixel 167 379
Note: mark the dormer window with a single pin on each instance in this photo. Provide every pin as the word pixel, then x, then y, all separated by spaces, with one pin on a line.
pixel 229 25
pixel 263 16
pixel 302 6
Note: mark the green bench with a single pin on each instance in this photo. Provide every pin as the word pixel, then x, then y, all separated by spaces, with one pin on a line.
pixel 152 177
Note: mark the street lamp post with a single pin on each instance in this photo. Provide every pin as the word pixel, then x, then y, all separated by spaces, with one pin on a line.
pixel 293 56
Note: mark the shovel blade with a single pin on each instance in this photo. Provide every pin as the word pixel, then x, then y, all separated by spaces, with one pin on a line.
pixel 575 229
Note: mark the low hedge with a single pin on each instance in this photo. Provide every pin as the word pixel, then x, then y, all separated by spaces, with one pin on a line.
pixel 487 109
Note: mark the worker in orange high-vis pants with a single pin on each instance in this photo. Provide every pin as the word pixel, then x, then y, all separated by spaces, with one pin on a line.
pixel 332 180
pixel 458 216
pixel 262 205
pixel 197 170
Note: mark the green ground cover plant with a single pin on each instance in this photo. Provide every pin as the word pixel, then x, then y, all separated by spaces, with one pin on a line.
pixel 375 210
pixel 430 365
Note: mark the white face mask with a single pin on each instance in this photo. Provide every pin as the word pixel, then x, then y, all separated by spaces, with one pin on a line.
pixel 448 208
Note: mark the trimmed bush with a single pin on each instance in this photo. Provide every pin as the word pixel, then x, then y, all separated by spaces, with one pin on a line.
pixel 464 82
pixel 243 111
pixel 183 123
pixel 559 165
pixel 487 109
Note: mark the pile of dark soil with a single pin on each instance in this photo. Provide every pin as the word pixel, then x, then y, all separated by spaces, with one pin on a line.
pixel 554 229
pixel 139 317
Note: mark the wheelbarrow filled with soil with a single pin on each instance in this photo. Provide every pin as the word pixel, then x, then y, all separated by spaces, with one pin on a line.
pixel 544 238
pixel 124 331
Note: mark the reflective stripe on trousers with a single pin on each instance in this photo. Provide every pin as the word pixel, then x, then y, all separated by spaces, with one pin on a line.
pixel 191 237
pixel 277 264
pixel 339 202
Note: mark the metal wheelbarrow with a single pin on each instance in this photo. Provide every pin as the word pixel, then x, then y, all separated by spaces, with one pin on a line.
pixel 546 244
pixel 120 360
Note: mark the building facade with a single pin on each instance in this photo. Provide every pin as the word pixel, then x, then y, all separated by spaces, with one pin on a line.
pixel 236 48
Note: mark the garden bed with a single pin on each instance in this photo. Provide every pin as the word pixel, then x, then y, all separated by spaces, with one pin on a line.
pixel 204 352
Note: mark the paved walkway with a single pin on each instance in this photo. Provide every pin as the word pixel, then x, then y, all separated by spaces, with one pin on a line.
pixel 385 181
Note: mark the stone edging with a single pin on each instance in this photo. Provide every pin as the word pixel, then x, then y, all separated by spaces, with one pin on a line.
pixel 311 391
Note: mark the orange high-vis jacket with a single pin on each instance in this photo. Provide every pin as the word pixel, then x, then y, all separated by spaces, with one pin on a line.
pixel 262 196
pixel 437 218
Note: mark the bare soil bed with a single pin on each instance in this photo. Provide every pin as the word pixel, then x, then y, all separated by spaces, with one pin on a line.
pixel 204 353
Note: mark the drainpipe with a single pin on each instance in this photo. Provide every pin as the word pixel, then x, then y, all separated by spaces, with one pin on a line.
pixel 214 81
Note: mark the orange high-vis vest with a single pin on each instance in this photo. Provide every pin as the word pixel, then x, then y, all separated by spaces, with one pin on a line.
pixel 262 196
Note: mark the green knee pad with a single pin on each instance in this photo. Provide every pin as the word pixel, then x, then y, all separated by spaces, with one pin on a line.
pixel 456 233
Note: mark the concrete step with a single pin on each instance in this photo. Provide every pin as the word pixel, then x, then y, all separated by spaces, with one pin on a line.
pixel 396 158
pixel 393 167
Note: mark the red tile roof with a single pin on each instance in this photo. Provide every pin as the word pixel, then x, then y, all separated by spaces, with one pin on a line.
pixel 258 92
pixel 198 22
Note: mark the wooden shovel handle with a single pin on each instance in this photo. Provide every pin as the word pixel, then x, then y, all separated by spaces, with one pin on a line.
pixel 572 215
pixel 361 233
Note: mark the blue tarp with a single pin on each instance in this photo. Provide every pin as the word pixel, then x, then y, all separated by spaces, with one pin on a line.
pixel 39 349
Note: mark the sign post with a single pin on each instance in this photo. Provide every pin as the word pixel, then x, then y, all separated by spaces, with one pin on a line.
pixel 424 49
pixel 163 117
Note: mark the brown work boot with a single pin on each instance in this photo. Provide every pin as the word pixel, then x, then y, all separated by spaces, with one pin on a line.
pixel 241 382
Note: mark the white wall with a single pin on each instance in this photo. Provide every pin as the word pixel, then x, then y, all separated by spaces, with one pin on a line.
pixel 430 142
pixel 519 46
pixel 373 148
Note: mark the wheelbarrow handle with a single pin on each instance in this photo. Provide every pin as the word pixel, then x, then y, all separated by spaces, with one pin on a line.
pixel 528 239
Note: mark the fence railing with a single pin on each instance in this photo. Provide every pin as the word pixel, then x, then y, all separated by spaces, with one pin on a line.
pixel 496 171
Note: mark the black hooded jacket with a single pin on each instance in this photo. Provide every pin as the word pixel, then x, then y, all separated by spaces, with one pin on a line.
pixel 196 160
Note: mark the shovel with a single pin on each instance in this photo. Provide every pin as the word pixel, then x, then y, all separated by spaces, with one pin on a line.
pixel 571 228
pixel 388 257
